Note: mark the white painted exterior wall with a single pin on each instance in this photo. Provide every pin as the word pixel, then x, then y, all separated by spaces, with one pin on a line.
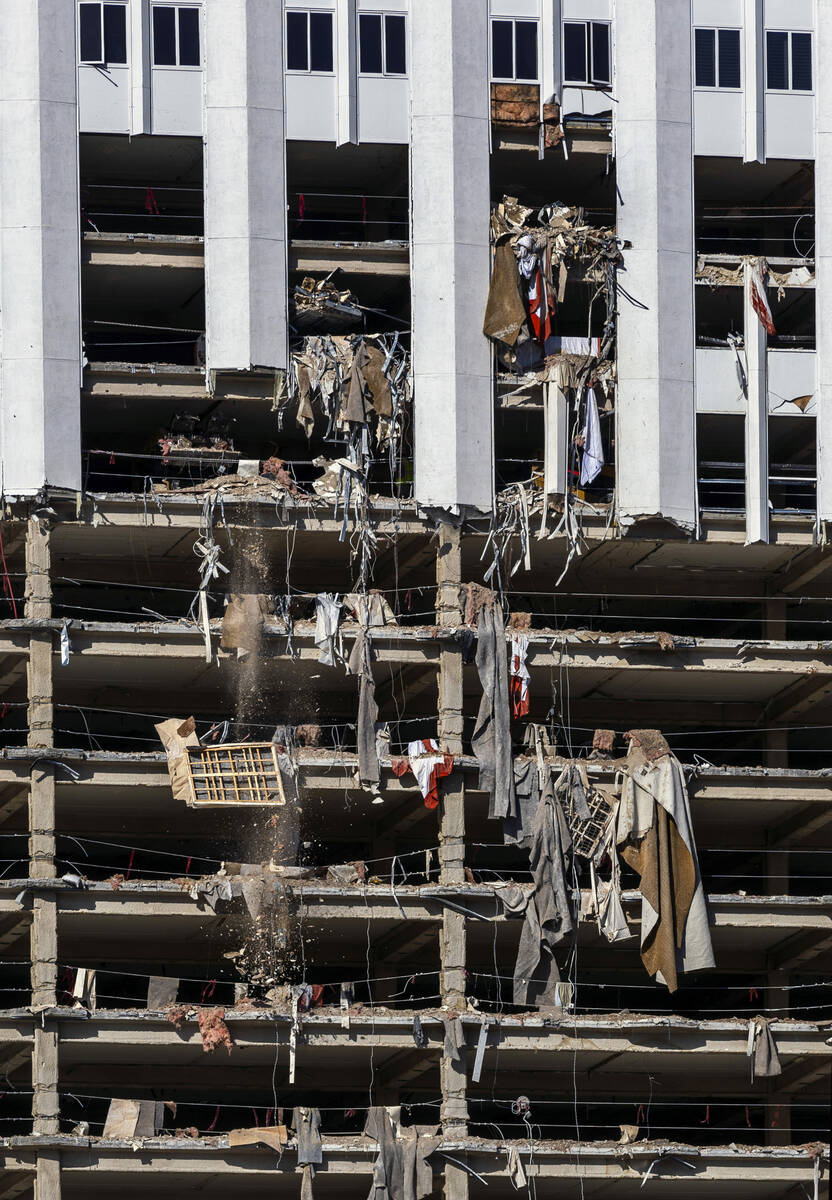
pixel 140 97
pixel 40 371
pixel 823 260
pixel 752 122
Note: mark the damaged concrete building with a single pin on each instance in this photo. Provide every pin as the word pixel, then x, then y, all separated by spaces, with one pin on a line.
pixel 415 435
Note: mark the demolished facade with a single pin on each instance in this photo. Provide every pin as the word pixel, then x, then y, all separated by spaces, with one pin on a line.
pixel 414 636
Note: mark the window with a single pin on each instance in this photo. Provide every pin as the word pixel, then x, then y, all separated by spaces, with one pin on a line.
pixel 788 61
pixel 175 36
pixel 309 41
pixel 381 44
pixel 514 50
pixel 717 58
pixel 103 34
pixel 587 53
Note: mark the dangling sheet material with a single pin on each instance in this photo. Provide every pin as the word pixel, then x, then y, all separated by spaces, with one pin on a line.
pixel 429 765
pixel 360 664
pixel 491 739
pixel 593 457
pixel 519 675
pixel 551 912
pixel 762 1050
pixel 176 736
pixel 505 313
pixel 327 616
pixel 759 298
pixel 654 834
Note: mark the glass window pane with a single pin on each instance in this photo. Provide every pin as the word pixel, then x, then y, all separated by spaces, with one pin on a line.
pixel 802 62
pixel 89 19
pixel 369 43
pixel 395 52
pixel 320 41
pixel 777 63
pixel 164 36
pixel 297 49
pixel 601 72
pixel 502 49
pixel 525 49
pixel 189 37
pixel 574 52
pixel 115 33
pixel 729 58
pixel 705 57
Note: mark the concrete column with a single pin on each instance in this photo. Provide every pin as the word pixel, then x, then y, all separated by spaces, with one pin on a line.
pixel 45 1100
pixel 655 409
pixel 551 25
pixel 48 1175
pixel 245 186
pixel 346 30
pixel 756 421
pixel 40 708
pixel 452 828
pixel 754 83
pixel 40 368
pixel 823 254
pixel 450 254
pixel 140 70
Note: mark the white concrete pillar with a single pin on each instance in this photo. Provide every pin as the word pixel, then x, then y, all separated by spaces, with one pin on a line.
pixel 346 30
pixel 823 256
pixel 245 186
pixel 754 83
pixel 450 254
pixel 655 409
pixel 551 26
pixel 140 68
pixel 40 368
pixel 756 421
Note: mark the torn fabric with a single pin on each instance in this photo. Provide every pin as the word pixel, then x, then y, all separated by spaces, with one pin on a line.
pixel 592 462
pixel 360 664
pixel 327 618
pixel 491 740
pixel 520 676
pixel 415 1144
pixel 762 1050
pixel 654 834
pixel 388 1170
pixel 759 297
pixel 505 312
pixel 551 912
pixel 429 764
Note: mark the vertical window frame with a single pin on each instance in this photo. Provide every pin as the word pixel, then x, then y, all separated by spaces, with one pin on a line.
pixel 589 79
pixel 514 21
pixel 384 73
pixel 178 65
pixel 718 86
pixel 790 88
pixel 307 13
pixel 103 61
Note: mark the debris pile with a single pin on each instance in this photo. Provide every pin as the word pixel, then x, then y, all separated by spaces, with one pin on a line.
pixel 318 304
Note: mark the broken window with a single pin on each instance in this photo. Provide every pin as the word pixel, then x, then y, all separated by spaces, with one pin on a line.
pixel 788 61
pixel 514 50
pixel 720 447
pixel 309 42
pixel 381 44
pixel 792 464
pixel 102 30
pixel 717 58
pixel 175 36
pixel 587 53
